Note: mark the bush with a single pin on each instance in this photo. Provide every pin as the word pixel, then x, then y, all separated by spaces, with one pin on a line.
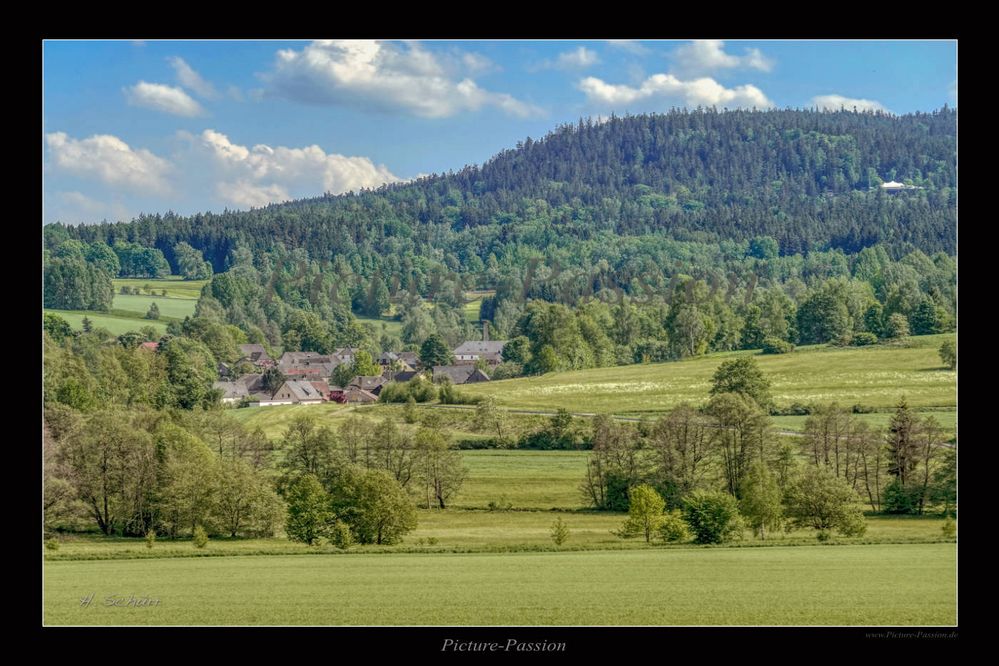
pixel 449 395
pixel 794 409
pixel 948 528
pixel 150 538
pixel 823 535
pixel 863 339
pixel 502 505
pixel 432 541
pixel 674 528
pixel 898 500
pixel 713 516
pixel 340 535
pixel 862 409
pixel 559 531
pixel 948 354
pixel 200 538
pixel 507 370
pixel 52 544
pixel 773 345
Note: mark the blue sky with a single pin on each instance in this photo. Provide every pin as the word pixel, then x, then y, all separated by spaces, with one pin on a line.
pixel 145 127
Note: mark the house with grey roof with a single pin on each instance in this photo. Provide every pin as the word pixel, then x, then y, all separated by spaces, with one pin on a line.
pixel 255 354
pixel 232 392
pixel 371 383
pixel 355 394
pixel 459 374
pixel 297 392
pixel 471 351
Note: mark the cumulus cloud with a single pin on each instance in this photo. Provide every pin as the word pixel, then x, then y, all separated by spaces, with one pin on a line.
pixel 708 55
pixel 108 159
pixel 668 89
pixel 75 207
pixel 579 58
pixel 163 98
pixel 630 46
pixel 836 102
pixel 260 175
pixel 191 79
pixel 385 77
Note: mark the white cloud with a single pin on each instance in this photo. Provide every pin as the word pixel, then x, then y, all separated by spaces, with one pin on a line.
pixel 77 207
pixel 708 55
pixel 248 195
pixel 163 98
pixel 836 102
pixel 629 45
pixel 668 89
pixel 109 159
pixel 379 76
pixel 262 174
pixel 581 58
pixel 191 79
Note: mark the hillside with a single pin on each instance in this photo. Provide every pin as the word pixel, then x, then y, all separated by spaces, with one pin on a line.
pixel 807 179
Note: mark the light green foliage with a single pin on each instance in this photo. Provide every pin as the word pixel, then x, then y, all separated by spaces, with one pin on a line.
pixel 821 500
pixel 308 510
pixel 150 539
pixel 674 528
pixel 200 538
pixel 949 528
pixel 948 353
pixel 340 535
pixel 645 511
pixel 742 375
pixel 559 531
pixel 713 516
pixel 760 502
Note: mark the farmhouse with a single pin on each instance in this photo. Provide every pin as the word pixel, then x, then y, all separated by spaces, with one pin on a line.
pixel 232 392
pixel 150 346
pixel 355 394
pixel 459 374
pixel 295 392
pixel 404 361
pixel 256 354
pixel 490 351
pixel 370 383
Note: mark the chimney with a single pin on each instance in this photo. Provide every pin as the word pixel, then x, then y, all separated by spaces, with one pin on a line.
pixel 485 330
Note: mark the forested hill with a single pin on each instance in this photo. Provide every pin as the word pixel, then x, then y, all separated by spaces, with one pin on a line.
pixel 807 179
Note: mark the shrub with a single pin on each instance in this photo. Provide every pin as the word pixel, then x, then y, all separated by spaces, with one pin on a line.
pixel 897 499
pixel 773 345
pixel 948 528
pixel 200 538
pixel 948 354
pixel 674 528
pixel 713 515
pixel 823 535
pixel 52 544
pixel 559 531
pixel 863 339
pixel 432 541
pixel 150 538
pixel 340 535
pixel 502 505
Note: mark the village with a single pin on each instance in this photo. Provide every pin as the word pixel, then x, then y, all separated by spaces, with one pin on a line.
pixel 308 377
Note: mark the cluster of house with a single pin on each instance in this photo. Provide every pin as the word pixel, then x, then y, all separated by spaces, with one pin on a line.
pixel 308 374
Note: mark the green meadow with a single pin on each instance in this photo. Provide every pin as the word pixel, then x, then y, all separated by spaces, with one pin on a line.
pixel 875 376
pixel 112 322
pixel 128 311
pixel 896 584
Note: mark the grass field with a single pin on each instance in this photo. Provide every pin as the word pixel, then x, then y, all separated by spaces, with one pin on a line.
pixel 835 585
pixel 392 326
pixel 170 308
pixel 175 285
pixel 874 376
pixel 129 312
pixel 117 325
pixel 527 479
